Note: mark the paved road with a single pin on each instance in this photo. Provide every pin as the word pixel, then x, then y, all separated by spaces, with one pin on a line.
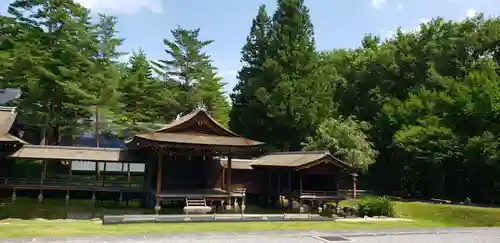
pixel 469 235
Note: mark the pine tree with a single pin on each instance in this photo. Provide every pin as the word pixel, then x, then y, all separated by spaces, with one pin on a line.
pixel 143 98
pixel 191 72
pixel 106 78
pixel 58 40
pixel 210 92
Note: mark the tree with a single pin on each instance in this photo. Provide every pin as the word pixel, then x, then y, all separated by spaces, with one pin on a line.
pixel 59 44
pixel 191 72
pixel 210 92
pixel 101 90
pixel 249 112
pixel 430 97
pixel 143 98
pixel 279 78
pixel 345 139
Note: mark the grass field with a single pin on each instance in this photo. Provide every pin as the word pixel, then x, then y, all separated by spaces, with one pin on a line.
pixel 449 215
pixel 25 228
pixel 426 216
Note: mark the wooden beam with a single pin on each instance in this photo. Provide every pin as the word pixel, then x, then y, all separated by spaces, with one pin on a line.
pixel 229 172
pixel 354 185
pixel 158 178
pixel 290 199
pixel 128 172
pixel 300 191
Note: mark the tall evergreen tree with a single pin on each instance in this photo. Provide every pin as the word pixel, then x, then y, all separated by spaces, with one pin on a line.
pixel 211 94
pixel 105 83
pixel 143 99
pixel 192 73
pixel 100 90
pixel 58 38
pixel 249 111
pixel 280 80
pixel 292 60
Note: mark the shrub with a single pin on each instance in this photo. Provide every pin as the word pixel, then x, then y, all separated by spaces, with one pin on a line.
pixel 350 210
pixel 376 206
pixel 327 212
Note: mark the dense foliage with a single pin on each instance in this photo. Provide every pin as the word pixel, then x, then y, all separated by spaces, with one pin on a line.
pixel 346 139
pixel 375 206
pixel 421 106
pixel 66 66
pixel 417 112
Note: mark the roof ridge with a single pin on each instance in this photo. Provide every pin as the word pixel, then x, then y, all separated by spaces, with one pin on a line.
pixel 300 152
pixel 8 108
pixel 74 147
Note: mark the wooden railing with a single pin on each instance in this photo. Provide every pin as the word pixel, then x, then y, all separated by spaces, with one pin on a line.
pixel 237 188
pixel 359 193
pixel 315 194
pixel 66 182
pixel 329 194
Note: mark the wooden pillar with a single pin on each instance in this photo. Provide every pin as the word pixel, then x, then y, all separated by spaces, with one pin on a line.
pixel 128 179
pixel 279 190
pixel 128 172
pixel 229 172
pixel 354 181
pixel 290 199
pixel 44 172
pixel 337 185
pixel 269 189
pixel 300 194
pixel 224 186
pixel 149 175
pixel 146 187
pixel 158 182
pixel 97 172
pixel 70 172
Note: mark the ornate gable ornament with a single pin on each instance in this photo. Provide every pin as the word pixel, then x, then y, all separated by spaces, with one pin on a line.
pixel 201 106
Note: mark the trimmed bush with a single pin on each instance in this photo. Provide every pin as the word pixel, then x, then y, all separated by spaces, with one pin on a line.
pixel 376 206
pixel 327 212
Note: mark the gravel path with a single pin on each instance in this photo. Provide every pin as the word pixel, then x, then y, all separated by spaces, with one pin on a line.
pixel 465 235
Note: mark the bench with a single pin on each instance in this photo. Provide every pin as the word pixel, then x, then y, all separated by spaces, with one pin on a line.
pixel 197 209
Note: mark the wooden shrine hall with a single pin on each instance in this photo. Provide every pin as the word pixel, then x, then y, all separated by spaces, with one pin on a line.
pixel 192 161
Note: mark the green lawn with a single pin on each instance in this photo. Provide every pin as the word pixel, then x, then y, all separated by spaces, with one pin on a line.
pixel 452 215
pixel 24 228
pixel 449 215
pixel 426 216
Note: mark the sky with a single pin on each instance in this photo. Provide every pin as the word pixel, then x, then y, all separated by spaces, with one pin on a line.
pixel 338 24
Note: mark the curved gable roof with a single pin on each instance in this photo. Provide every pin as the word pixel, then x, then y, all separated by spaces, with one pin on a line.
pixel 185 121
pixel 196 128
